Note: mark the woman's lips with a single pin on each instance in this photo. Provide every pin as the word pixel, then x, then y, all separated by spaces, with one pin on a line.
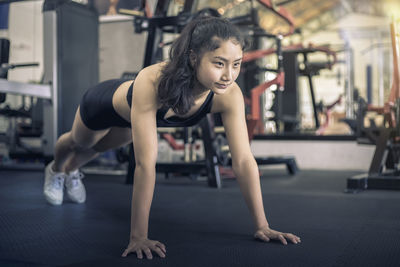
pixel 222 86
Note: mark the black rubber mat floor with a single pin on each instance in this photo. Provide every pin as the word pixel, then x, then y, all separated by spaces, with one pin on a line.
pixel 201 226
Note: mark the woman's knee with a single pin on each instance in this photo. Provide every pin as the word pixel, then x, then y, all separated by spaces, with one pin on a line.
pixel 66 140
pixel 72 143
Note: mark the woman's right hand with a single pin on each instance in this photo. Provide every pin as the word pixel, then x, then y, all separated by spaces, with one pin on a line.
pixel 144 245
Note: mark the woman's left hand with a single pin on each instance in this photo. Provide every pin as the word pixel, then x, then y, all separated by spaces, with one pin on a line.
pixel 266 234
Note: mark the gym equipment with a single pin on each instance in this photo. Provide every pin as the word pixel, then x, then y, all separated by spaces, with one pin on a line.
pixel 290 115
pixel 249 24
pixel 159 23
pixel 4 57
pixel 286 107
pixel 209 167
pixel 252 17
pixel 327 111
pixel 36 90
pixel 384 170
pixel 17 129
pixel 70 40
pixel 254 120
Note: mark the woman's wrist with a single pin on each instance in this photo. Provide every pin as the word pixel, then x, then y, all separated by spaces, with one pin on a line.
pixel 138 236
pixel 261 225
pixel 139 232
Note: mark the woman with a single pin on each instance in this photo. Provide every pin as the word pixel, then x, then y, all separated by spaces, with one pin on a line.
pixel 199 78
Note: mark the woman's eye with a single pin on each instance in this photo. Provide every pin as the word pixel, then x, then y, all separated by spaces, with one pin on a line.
pixel 236 65
pixel 219 64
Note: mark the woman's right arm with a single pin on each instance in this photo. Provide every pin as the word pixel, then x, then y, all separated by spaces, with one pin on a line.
pixel 144 135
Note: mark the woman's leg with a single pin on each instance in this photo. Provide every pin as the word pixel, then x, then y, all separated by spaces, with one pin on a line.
pixel 75 189
pixel 73 149
pixel 115 137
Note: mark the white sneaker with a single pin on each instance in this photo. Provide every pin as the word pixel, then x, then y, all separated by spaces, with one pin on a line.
pixel 53 185
pixel 75 188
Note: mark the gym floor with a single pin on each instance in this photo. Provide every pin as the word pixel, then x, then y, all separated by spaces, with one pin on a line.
pixel 201 226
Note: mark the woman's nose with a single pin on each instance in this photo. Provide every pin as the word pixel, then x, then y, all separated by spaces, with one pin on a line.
pixel 227 75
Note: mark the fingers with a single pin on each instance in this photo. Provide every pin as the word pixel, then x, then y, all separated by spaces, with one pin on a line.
pixel 282 239
pixel 272 234
pixel 157 247
pixel 293 238
pixel 262 236
pixel 147 251
pixel 126 252
pixel 162 246
pixel 159 251
pixel 139 254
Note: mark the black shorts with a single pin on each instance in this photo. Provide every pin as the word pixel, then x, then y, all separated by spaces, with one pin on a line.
pixel 96 108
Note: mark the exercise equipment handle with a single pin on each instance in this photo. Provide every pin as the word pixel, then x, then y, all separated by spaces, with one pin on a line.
pixel 6 66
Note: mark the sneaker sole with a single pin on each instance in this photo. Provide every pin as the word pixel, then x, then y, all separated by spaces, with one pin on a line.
pixel 53 202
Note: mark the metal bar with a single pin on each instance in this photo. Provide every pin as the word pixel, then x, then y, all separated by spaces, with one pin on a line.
pixel 188 6
pixel 11 1
pixel 381 152
pixel 381 84
pixel 313 100
pixel 50 71
pixel 129 179
pixel 13 66
pixel 150 45
pixel 349 81
pixel 369 83
pixel 359 183
pixel 18 88
pixel 208 135
pixel 282 3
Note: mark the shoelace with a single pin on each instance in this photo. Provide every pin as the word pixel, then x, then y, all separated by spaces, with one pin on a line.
pixel 75 178
pixel 58 182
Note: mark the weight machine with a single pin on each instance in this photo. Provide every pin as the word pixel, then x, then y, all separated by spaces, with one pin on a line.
pixel 16 129
pixel 249 24
pixel 70 39
pixel 70 42
pixel 384 170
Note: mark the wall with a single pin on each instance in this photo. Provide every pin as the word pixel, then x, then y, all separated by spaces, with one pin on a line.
pixel 120 48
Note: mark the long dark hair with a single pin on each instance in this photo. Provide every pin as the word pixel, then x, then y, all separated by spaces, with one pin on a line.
pixel 178 76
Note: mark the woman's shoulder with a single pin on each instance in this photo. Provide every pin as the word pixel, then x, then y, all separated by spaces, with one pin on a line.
pixel 150 76
pixel 234 93
pixel 153 71
pixel 146 83
pixel 232 98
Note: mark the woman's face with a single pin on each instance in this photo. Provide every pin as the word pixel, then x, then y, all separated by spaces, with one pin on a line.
pixel 218 69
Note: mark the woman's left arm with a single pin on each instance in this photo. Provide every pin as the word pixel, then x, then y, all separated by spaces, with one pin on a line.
pixel 244 164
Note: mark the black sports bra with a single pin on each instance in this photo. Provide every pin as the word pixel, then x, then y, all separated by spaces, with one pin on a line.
pixel 176 121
